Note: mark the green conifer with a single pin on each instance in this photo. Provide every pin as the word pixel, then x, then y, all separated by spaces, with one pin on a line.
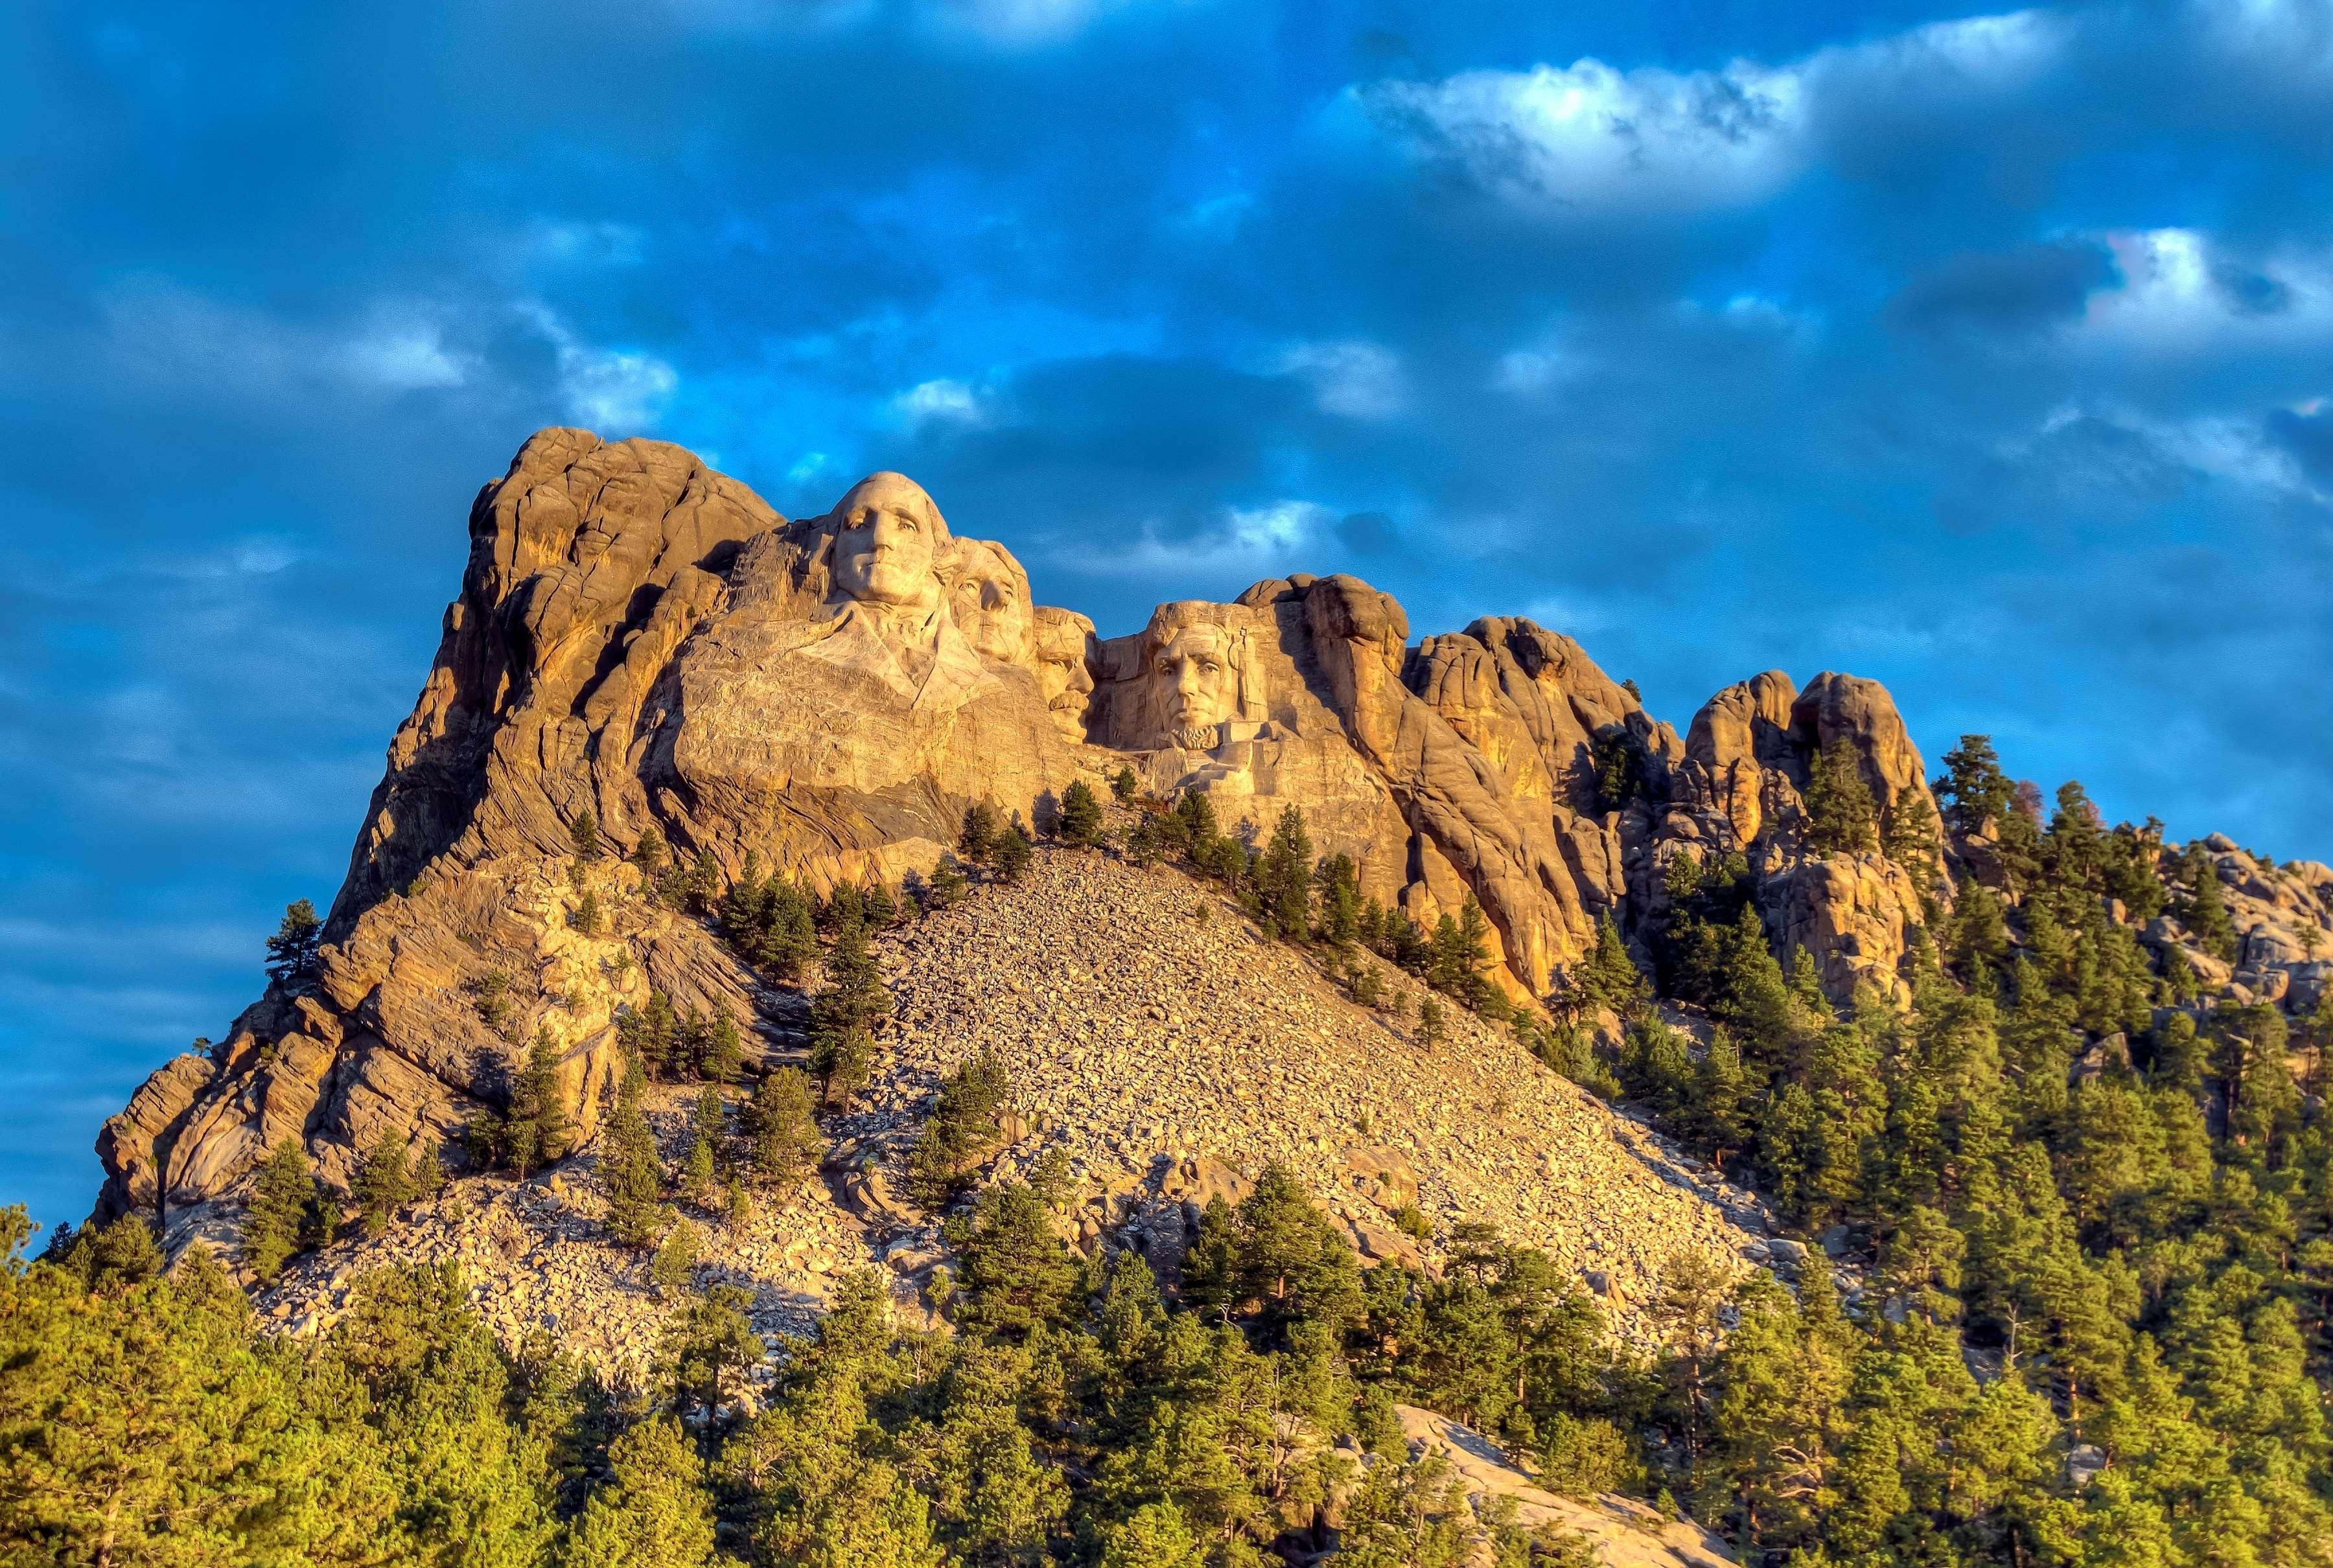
pixel 784 1129
pixel 279 1196
pixel 383 1182
pixel 981 826
pixel 649 851
pixel 1011 854
pixel 655 1510
pixel 293 952
pixel 629 1171
pixel 1840 817
pixel 1081 816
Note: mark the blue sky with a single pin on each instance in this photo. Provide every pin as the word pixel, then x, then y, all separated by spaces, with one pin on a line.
pixel 1986 353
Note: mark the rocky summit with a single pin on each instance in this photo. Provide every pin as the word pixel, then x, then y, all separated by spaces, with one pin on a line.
pixel 643 643
pixel 1148 983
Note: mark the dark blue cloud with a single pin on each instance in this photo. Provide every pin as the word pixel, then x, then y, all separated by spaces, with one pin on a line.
pixel 1982 353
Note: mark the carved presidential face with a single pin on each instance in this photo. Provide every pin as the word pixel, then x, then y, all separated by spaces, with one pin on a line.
pixel 1197 686
pixel 887 542
pixel 1064 672
pixel 989 600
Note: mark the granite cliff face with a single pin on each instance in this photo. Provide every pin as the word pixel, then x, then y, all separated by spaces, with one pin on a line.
pixel 642 639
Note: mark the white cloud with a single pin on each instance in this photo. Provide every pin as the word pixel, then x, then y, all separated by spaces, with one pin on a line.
pixel 2230 448
pixel 940 401
pixel 407 356
pixel 1278 528
pixel 158 330
pixel 1217 218
pixel 987 24
pixel 601 242
pixel 1357 380
pixel 2181 291
pixel 1250 542
pixel 614 391
pixel 1571 615
pixel 1014 22
pixel 1589 136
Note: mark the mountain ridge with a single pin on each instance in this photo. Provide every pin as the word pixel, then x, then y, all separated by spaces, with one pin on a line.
pixel 643 643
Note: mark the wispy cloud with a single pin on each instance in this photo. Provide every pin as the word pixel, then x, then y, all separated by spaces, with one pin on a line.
pixel 1591 137
pixel 616 392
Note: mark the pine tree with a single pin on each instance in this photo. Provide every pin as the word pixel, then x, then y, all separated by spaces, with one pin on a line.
pixel 279 1196
pixel 1974 788
pixel 586 920
pixel 1909 835
pixel 1291 1260
pixel 294 950
pixel 535 1133
pixel 114 1258
pixel 383 1183
pixel 1337 887
pixel 1011 854
pixel 655 1510
pixel 724 1051
pixel 1154 1535
pixel 1080 819
pixel 1687 1312
pixel 843 1015
pixel 784 1129
pixel 964 1129
pixel 1840 817
pixel 629 1171
pixel 948 883
pixel 1124 786
pixel 2203 910
pixel 1723 1093
pixel 1284 877
pixel 1018 1274
pixel 702 889
pixel 674 1260
pixel 1618 768
pixel 583 834
pixel 2073 850
pixel 1460 956
pixel 1977 944
pixel 981 827
pixel 1607 977
pixel 707 1355
pixel 1432 1026
pixel 703 1164
pixel 650 852
pixel 649 1035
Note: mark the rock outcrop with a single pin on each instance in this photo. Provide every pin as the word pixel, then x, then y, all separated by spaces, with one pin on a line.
pixel 2283 918
pixel 643 643
pixel 1739 789
pixel 1621 1532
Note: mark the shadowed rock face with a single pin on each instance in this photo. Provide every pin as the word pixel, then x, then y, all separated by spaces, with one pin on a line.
pixel 646 640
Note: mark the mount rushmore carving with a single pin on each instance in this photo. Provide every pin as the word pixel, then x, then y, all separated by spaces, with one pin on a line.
pixel 644 639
